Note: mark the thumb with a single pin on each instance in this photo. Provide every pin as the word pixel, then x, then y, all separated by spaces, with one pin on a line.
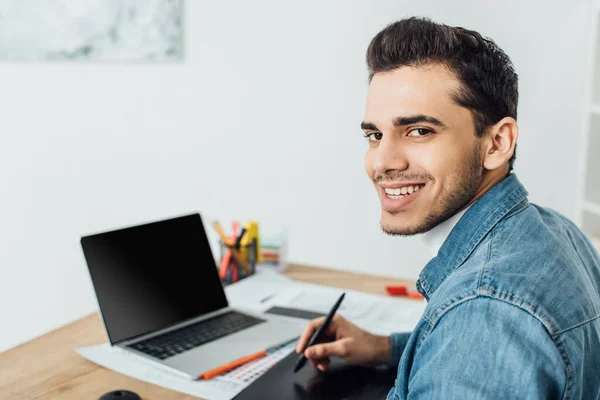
pixel 339 348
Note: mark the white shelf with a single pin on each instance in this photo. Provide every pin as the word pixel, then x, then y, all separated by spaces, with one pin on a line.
pixel 588 198
pixel 595 108
pixel 591 207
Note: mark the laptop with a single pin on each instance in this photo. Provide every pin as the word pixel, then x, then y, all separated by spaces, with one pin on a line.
pixel 161 299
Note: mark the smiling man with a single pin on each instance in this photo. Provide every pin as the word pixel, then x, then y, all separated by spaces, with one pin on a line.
pixel 513 289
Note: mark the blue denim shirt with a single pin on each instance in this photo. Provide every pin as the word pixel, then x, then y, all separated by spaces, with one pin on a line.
pixel 513 308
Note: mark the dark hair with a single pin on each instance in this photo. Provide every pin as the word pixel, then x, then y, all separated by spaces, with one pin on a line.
pixel 489 81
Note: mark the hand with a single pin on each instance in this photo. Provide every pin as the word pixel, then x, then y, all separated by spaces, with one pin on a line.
pixel 345 340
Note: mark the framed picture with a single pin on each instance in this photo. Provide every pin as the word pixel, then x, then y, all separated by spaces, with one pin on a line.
pixel 94 30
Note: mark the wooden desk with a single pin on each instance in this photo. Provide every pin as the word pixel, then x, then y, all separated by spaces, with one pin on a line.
pixel 49 368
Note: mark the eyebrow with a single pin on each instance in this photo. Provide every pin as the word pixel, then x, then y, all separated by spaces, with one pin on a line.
pixel 408 120
pixel 368 126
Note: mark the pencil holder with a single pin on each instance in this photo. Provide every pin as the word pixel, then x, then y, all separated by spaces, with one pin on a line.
pixel 229 270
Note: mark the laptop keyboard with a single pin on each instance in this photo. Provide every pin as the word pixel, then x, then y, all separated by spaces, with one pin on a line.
pixel 186 338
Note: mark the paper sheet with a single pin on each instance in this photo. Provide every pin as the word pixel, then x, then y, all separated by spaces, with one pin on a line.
pixel 222 387
pixel 255 292
pixel 130 365
pixel 377 314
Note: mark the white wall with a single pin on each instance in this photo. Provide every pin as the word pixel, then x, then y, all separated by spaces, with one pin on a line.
pixel 262 121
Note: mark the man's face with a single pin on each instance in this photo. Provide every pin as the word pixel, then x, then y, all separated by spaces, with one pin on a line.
pixel 423 156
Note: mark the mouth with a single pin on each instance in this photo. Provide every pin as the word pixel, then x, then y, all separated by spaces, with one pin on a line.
pixel 394 197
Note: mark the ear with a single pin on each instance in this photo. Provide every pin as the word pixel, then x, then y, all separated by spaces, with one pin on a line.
pixel 501 140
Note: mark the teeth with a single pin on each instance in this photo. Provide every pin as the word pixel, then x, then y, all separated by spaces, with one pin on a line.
pixel 401 192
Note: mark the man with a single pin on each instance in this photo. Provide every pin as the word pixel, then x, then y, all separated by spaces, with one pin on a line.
pixel 513 289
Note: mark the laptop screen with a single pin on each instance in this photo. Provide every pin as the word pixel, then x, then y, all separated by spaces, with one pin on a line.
pixel 152 276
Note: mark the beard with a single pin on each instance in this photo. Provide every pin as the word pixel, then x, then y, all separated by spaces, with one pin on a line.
pixel 462 187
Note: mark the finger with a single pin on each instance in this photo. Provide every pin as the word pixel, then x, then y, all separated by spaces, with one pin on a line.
pixel 307 333
pixel 312 326
pixel 323 364
pixel 338 348
pixel 338 319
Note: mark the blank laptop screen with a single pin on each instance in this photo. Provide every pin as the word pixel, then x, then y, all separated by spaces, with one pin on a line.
pixel 151 276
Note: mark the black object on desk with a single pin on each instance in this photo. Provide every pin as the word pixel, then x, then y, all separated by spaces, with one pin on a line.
pixel 294 312
pixel 319 333
pixel 120 395
pixel 339 381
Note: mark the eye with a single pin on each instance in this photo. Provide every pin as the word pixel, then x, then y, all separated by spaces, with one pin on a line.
pixel 373 136
pixel 419 132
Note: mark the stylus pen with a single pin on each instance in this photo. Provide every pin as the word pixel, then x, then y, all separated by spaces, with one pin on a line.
pixel 319 333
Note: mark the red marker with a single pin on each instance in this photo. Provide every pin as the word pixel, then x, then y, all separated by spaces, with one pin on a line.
pixel 401 290
pixel 397 290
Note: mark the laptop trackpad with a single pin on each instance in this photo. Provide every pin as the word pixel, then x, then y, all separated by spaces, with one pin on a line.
pixel 340 381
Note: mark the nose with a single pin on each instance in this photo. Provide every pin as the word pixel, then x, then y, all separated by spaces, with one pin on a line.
pixel 389 156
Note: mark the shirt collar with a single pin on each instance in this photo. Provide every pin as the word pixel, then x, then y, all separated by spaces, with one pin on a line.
pixel 435 237
pixel 475 224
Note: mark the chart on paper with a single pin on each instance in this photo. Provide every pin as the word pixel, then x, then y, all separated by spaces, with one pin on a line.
pixel 377 314
pixel 253 370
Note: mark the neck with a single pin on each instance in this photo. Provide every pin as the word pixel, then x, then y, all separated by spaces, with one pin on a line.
pixel 489 179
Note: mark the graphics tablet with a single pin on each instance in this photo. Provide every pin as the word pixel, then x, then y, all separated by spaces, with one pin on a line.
pixel 340 381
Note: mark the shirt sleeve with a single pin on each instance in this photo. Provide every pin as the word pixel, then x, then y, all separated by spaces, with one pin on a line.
pixel 487 349
pixel 398 343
